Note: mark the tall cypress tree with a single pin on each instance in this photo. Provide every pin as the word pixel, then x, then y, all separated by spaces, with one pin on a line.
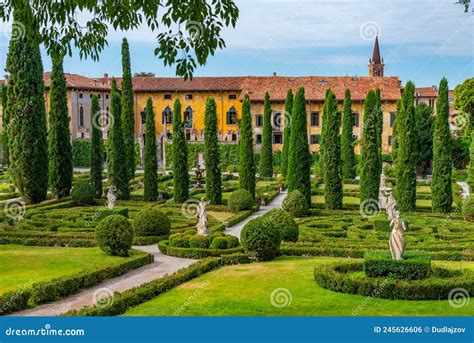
pixel 442 159
pixel 150 192
pixel 246 155
pixel 395 134
pixel 128 119
pixel 286 132
pixel 5 124
pixel 59 137
pixel 299 158
pixel 117 169
pixel 370 156
pixel 180 157
pixel 406 156
pixel 332 155
pixel 324 127
pixel 28 144
pixel 97 149
pixel 470 171
pixel 211 154
pixel 266 153
pixel 378 113
pixel 348 158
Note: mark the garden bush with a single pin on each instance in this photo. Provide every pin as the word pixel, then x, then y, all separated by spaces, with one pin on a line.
pixel 179 240
pixel 381 223
pixel 468 208
pixel 83 194
pixel 232 241
pixel 287 226
pixel 219 243
pixel 199 242
pixel 414 266
pixel 196 253
pixel 240 200
pixel 114 235
pixel 261 239
pixel 105 212
pixel 295 204
pixel 151 222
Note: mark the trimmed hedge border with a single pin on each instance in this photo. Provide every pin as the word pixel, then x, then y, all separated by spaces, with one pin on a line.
pixel 141 240
pixel 195 253
pixel 336 277
pixel 43 292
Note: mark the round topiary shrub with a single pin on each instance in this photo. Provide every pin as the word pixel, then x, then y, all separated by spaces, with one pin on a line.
pixel 240 200
pixel 178 240
pixel 219 243
pixel 232 241
pixel 83 194
pixel 114 235
pixel 283 221
pixel 261 239
pixel 295 204
pixel 468 208
pixel 151 222
pixel 201 242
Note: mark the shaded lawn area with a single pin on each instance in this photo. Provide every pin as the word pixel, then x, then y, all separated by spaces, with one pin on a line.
pixel 21 266
pixel 245 290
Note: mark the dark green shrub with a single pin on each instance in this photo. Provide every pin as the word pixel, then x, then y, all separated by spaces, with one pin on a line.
pixel 83 194
pixel 114 235
pixel 287 226
pixel 261 239
pixel 219 243
pixel 179 241
pixel 295 204
pixel 468 208
pixel 240 200
pixel 199 242
pixel 381 223
pixel 414 266
pixel 105 212
pixel 232 241
pixel 151 222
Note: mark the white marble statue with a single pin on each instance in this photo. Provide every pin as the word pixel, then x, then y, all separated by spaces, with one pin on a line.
pixel 397 241
pixel 383 178
pixel 391 206
pixel 111 197
pixel 202 218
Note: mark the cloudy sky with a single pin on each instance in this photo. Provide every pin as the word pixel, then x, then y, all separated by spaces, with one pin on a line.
pixel 420 40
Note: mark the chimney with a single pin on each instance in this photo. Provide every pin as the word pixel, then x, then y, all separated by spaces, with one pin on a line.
pixel 274 73
pixel 6 78
pixel 106 78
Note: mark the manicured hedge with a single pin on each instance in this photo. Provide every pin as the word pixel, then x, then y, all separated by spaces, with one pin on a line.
pixel 195 253
pixel 415 265
pixel 240 200
pixel 148 240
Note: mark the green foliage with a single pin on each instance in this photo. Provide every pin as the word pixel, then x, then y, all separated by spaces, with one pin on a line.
pixel 266 164
pixel 464 101
pixel 201 242
pixel 128 118
pixel 413 266
pixel 28 147
pixel 240 200
pixel 81 152
pixel 424 134
pixel 285 223
pixel 105 212
pixel 295 204
pixel 180 157
pixel 299 160
pixel 332 154
pixel 5 119
pixel 116 168
pixel 286 133
pixel 96 149
pixel 378 117
pixel 114 235
pixel 348 159
pixel 211 154
pixel 246 157
pixel 179 240
pixel 232 241
pixel 460 151
pixel 468 208
pixel 219 243
pixel 261 239
pixel 83 194
pixel 442 148
pixel 151 222
pixel 150 192
pixel 470 179
pixel 395 133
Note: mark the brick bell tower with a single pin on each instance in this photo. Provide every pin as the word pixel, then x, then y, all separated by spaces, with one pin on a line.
pixel 376 63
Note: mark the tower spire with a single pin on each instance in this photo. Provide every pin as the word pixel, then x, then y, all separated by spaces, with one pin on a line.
pixel 376 64
pixel 376 54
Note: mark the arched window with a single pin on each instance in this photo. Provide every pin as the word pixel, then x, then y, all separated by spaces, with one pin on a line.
pixel 167 116
pixel 232 116
pixel 81 116
pixel 188 118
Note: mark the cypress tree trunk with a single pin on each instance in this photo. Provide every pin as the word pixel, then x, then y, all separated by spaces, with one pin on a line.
pixel 117 168
pixel 246 155
pixel 370 157
pixel 180 157
pixel 332 157
pixel 127 111
pixel 348 158
pixel 379 121
pixel 150 162
pixel 5 125
pixel 211 154
pixel 28 144
pixel 266 153
pixel 442 161
pixel 59 137
pixel 406 156
pixel 286 133
pixel 97 149
pixel 299 158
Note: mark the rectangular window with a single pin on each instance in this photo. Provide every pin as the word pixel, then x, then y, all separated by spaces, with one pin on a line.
pixel 81 95
pixel 258 138
pixel 143 117
pixel 431 103
pixel 355 117
pixel 231 118
pixel 390 140
pixel 107 96
pixel 314 118
pixel 315 139
pixel 393 116
pixel 232 96
pixel 167 96
pixel 258 120
pixel 277 138
pixel 189 96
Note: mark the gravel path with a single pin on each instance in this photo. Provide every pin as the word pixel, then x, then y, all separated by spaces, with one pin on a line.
pixel 465 188
pixel 275 203
pixel 162 265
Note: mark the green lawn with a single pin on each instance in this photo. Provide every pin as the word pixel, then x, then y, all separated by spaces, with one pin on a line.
pixel 21 266
pixel 246 290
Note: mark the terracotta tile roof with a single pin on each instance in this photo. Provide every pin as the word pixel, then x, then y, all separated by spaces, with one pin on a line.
pixel 79 82
pixel 426 92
